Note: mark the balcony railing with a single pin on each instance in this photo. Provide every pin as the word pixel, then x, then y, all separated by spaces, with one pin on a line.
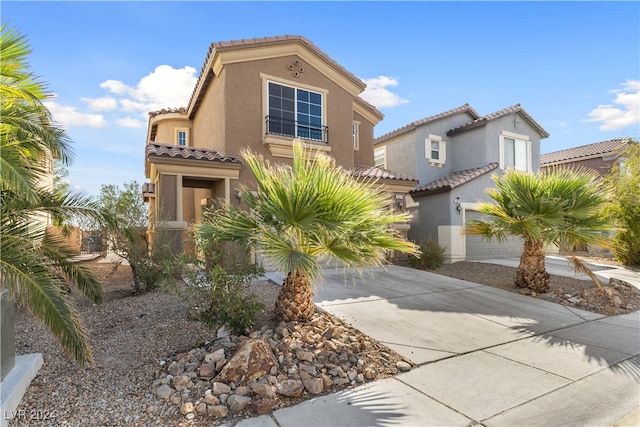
pixel 294 129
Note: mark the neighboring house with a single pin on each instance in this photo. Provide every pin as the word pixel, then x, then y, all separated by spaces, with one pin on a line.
pixel 453 155
pixel 599 157
pixel 261 94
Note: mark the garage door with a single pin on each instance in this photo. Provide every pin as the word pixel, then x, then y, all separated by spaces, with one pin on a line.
pixel 477 248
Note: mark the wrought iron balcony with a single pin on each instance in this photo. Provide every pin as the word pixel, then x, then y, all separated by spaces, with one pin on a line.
pixel 294 129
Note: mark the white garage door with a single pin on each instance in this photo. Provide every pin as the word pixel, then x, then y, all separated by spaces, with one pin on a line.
pixel 477 248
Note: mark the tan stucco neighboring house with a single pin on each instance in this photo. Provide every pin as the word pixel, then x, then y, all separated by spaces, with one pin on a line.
pixel 262 94
pixel 599 157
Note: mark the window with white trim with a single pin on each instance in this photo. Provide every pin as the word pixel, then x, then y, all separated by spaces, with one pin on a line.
pixel 295 112
pixel 182 137
pixel 379 157
pixel 435 150
pixel 515 152
pixel 355 132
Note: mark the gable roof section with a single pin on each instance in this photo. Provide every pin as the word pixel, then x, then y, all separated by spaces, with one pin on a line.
pixel 466 108
pixel 235 51
pixel 374 172
pixel 453 180
pixel 481 121
pixel 187 153
pixel 582 152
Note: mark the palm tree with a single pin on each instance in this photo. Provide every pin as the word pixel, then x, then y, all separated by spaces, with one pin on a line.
pixel 561 207
pixel 34 266
pixel 301 214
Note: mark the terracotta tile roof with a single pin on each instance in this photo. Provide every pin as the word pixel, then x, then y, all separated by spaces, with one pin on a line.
pixel 466 108
pixel 206 75
pixel 380 173
pixel 148 188
pixel 576 153
pixel 167 111
pixel 154 149
pixel 493 116
pixel 453 180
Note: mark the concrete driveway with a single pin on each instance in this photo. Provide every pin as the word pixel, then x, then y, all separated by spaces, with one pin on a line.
pixel 483 356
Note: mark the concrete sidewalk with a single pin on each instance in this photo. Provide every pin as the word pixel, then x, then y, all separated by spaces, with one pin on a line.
pixel 483 355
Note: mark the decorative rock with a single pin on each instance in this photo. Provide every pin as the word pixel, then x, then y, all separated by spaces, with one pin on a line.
pixel 211 400
pixel 186 408
pixel 403 366
pixel 307 356
pixel 313 385
pixel 176 368
pixel 181 382
pixel 190 416
pixel 262 406
pixel 201 408
pixel 238 403
pixel 207 370
pixel 164 392
pixel 252 360
pixel 243 390
pixel 290 388
pixel 265 391
pixel 220 388
pixel 219 411
pixel 214 357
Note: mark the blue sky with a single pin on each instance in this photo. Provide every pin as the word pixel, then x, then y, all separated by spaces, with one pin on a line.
pixel 573 66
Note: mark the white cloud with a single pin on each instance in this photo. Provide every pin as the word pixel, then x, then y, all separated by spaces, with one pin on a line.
pixel 106 103
pixel 627 111
pixel 130 122
pixel 68 116
pixel 377 93
pixel 165 87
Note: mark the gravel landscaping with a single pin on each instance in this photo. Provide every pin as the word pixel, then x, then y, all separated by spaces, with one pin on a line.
pixel 156 366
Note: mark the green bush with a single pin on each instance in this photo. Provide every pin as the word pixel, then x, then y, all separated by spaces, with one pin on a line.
pixel 217 287
pixel 431 256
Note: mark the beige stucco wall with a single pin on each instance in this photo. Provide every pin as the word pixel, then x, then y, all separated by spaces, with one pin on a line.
pixel 167 127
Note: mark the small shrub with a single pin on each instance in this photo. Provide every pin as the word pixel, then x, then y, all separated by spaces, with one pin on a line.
pixel 431 256
pixel 217 286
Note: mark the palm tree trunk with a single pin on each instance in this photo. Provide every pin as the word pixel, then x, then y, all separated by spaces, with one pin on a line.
pixel 531 272
pixel 295 299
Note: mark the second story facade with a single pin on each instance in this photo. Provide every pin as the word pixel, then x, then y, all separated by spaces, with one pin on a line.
pixel 259 94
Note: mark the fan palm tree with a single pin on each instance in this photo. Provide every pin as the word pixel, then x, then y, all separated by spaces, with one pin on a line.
pixel 561 207
pixel 34 266
pixel 301 214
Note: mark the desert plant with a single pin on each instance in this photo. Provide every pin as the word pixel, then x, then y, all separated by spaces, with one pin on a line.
pixel 561 207
pixel 623 183
pixel 216 287
pixel 431 256
pixel 301 213
pixel 35 266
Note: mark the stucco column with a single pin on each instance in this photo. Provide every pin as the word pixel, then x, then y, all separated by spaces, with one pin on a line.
pixel 227 191
pixel 179 206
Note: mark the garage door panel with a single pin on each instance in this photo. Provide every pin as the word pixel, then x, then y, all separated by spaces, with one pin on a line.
pixel 478 248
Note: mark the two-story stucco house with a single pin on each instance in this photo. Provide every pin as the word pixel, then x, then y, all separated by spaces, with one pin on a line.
pixel 453 155
pixel 262 94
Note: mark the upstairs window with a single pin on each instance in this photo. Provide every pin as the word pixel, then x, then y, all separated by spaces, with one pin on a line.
pixel 379 157
pixel 435 150
pixel 295 112
pixel 182 137
pixel 355 131
pixel 515 152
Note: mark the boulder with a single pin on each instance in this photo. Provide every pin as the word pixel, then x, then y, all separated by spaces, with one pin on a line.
pixel 252 360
